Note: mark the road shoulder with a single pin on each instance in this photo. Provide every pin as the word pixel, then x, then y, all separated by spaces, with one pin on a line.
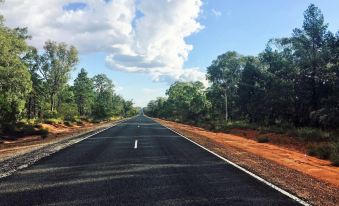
pixel 34 153
pixel 315 190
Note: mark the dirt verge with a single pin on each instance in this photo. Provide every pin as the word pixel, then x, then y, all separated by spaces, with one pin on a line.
pixel 309 178
pixel 20 156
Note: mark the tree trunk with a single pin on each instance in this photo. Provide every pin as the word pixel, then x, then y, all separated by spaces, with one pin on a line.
pixel 52 102
pixel 226 106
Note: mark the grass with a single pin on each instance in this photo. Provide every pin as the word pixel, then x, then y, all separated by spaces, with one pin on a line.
pixel 53 121
pixel 326 151
pixel 310 134
pixel 238 124
pixel 322 151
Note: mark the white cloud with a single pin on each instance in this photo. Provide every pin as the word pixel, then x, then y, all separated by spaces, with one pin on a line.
pixel 216 13
pixel 152 43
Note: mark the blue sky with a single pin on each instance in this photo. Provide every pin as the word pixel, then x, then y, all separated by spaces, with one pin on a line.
pixel 244 26
pixel 144 45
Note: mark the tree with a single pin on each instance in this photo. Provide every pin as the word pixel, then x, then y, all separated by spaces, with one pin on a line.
pixel 84 95
pixel 15 82
pixel 103 105
pixel 310 51
pixel 36 97
pixel 252 91
pixel 187 100
pixel 225 73
pixel 129 110
pixel 57 63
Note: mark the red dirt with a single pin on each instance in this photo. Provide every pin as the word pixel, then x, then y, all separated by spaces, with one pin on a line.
pixel 56 133
pixel 281 161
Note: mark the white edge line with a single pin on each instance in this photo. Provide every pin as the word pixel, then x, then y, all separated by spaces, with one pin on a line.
pixel 70 143
pixel 244 170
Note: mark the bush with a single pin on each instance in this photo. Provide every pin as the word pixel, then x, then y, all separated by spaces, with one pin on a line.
pixel 44 133
pixel 321 151
pixel 263 139
pixel 28 130
pixel 38 126
pixel 238 124
pixel 334 157
pixel 50 115
pixel 67 123
pixel 310 134
pixel 53 121
pixel 80 123
pixel 69 112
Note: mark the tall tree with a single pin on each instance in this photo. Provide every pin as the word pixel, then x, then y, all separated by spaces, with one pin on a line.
pixel 187 100
pixel 310 49
pixel 103 105
pixel 15 82
pixel 36 96
pixel 83 90
pixel 224 73
pixel 58 61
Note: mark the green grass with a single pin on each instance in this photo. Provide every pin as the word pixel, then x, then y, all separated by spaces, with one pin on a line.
pixel 238 124
pixel 321 151
pixel 53 121
pixel 310 134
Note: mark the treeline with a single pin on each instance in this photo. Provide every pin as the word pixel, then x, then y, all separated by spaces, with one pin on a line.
pixel 294 82
pixel 35 84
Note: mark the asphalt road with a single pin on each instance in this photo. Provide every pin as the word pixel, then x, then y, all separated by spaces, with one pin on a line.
pixel 110 168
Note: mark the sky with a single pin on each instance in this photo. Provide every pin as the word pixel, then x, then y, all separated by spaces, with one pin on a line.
pixel 145 45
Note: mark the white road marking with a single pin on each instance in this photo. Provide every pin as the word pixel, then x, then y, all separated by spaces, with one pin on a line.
pixel 136 144
pixel 302 202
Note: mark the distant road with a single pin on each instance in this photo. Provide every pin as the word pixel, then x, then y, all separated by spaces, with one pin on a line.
pixel 138 162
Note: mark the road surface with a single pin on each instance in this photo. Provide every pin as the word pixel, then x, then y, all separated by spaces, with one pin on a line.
pixel 138 162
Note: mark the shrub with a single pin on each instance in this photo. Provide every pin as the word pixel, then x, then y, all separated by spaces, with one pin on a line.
pixel 263 139
pixel 67 123
pixel 50 115
pixel 238 124
pixel 334 157
pixel 321 151
pixel 38 126
pixel 28 130
pixel 44 133
pixel 310 134
pixel 69 112
pixel 80 123
pixel 53 121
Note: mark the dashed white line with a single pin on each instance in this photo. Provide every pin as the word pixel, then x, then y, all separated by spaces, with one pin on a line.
pixel 136 144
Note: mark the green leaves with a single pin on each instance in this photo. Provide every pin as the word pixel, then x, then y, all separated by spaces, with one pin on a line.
pixel 186 102
pixel 84 94
pixel 15 83
pixel 294 81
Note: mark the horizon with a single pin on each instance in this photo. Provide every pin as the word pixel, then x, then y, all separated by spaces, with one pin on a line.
pixel 144 51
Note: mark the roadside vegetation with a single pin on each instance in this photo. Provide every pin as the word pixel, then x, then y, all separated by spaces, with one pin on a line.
pixel 35 88
pixel 291 88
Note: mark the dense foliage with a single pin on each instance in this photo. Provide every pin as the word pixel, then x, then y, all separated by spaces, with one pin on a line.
pixel 293 82
pixel 35 85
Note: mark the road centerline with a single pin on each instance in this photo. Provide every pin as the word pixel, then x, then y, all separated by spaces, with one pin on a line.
pixel 136 144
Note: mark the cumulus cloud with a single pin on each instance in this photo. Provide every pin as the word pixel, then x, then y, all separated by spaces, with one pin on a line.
pixel 145 36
